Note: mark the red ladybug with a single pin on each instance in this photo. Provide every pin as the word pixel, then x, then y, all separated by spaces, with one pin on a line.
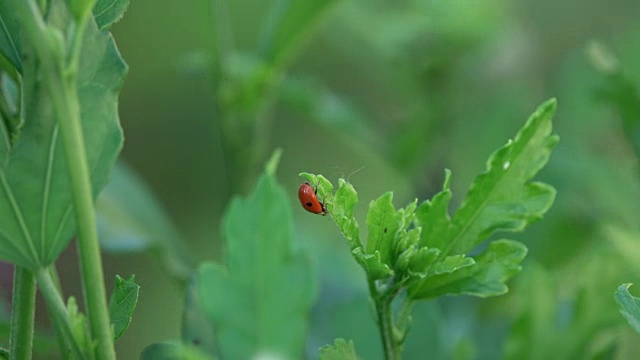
pixel 309 200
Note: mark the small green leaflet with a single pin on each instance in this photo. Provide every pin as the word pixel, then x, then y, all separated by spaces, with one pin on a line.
pixel 259 301
pixel 372 264
pixel 629 306
pixel 341 350
pixel 108 12
pixel 481 276
pixel 35 194
pixel 79 328
pixel 384 223
pixel 123 301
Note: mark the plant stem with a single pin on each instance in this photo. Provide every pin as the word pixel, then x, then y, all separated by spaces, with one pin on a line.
pixel 68 111
pixel 404 317
pixel 61 81
pixel 88 245
pixel 22 314
pixel 382 300
pixel 57 311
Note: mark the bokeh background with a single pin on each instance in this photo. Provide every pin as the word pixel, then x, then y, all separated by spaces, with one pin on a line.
pixel 389 94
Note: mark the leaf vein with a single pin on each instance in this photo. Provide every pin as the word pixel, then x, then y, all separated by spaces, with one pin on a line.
pixel 47 188
pixel 18 214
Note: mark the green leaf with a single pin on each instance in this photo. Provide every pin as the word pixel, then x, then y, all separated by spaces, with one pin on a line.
pixel 10 47
pixel 35 191
pixel 341 350
pixel 341 207
pixel 323 186
pixel 372 264
pixel 451 264
pixel 503 198
pixel 260 301
pixel 486 277
pixel 173 351
pixel 109 12
pixel 131 219
pixel 80 328
pixel 407 251
pixel 629 306
pixel 433 216
pixel 123 301
pixel 420 260
pixel 287 24
pixel 271 167
pixel 384 223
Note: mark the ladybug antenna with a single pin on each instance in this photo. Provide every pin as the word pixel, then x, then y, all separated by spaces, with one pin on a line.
pixel 349 177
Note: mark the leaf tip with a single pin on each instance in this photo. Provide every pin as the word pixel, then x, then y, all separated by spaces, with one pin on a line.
pixel 447 180
pixel 549 106
pixel 272 164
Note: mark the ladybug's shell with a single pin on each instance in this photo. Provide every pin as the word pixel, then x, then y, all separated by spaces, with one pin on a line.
pixel 309 200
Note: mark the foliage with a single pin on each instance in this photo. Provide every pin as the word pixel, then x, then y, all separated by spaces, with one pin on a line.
pixel 341 350
pixel 249 318
pixel 397 89
pixel 425 251
pixel 123 301
pixel 38 221
pixel 629 305
pixel 61 76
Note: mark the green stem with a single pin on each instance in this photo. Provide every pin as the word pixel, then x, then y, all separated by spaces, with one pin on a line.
pixel 58 311
pixel 67 107
pixel 55 279
pixel 382 301
pixel 404 320
pixel 22 314
pixel 61 81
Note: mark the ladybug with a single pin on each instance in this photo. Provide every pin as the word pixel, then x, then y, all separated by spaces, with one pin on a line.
pixel 309 200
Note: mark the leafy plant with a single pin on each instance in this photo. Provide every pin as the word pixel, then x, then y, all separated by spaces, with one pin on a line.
pixel 61 75
pixel 341 350
pixel 412 254
pixel 258 301
pixel 419 252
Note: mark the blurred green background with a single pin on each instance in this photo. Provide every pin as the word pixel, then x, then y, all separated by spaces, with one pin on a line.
pixel 398 90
